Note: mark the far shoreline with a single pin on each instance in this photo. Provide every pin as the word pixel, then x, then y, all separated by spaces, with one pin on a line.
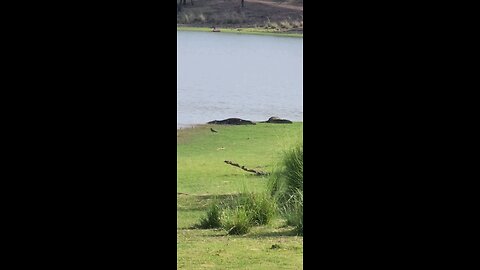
pixel 241 30
pixel 191 126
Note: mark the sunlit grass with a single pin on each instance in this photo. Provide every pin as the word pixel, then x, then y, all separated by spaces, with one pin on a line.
pixel 203 177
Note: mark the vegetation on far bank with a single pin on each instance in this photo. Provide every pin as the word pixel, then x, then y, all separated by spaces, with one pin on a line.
pixel 266 16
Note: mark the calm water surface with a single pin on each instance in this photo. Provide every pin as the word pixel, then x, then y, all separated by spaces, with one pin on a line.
pixel 251 77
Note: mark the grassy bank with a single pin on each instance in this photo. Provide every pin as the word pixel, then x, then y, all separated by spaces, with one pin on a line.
pixel 202 176
pixel 250 31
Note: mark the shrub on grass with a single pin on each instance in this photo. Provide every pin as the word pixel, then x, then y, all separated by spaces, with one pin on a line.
pixel 212 219
pixel 239 215
pixel 249 210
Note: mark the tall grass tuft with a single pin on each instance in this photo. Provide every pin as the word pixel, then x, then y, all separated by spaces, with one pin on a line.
pixel 287 179
pixel 286 186
pixel 260 207
pixel 236 221
pixel 293 212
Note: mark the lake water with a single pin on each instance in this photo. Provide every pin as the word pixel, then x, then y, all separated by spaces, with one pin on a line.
pixel 222 75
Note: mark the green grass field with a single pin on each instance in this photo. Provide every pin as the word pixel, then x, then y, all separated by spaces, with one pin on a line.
pixel 202 176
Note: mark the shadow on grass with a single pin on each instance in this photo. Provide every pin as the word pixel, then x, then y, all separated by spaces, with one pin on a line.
pixel 260 235
pixel 202 202
pixel 290 232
